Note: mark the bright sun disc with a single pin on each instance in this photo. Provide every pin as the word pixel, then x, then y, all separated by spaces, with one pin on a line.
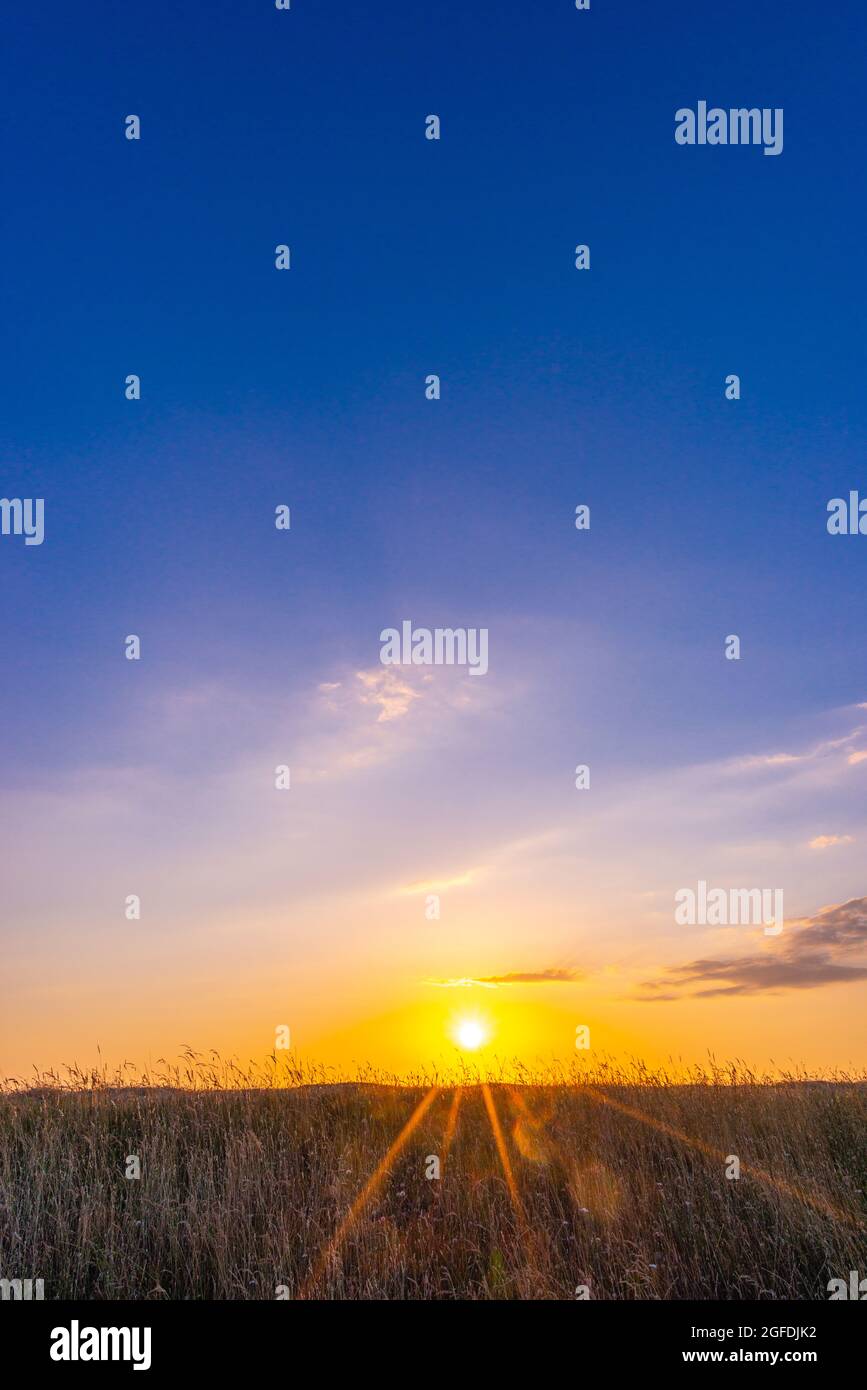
pixel 470 1034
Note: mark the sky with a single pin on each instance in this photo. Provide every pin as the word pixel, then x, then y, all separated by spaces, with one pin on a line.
pixel 310 906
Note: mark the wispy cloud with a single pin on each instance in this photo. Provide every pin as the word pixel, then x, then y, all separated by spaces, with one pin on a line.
pixel 462 982
pixel 375 716
pixel 386 691
pixel 440 885
pixel 514 977
pixel 826 841
pixel 826 749
pixel 533 977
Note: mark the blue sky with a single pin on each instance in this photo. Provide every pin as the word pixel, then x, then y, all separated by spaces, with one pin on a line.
pixel 558 387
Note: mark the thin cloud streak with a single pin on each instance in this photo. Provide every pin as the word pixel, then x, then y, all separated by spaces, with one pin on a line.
pixel 514 977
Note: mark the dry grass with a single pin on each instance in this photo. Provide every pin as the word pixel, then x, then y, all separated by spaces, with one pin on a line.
pixel 606 1178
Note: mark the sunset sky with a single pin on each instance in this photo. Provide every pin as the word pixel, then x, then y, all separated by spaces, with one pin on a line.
pixel 261 647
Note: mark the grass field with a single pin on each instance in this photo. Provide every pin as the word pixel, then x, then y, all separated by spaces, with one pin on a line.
pixel 252 1188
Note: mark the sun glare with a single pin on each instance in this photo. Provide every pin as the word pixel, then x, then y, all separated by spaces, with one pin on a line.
pixel 470 1034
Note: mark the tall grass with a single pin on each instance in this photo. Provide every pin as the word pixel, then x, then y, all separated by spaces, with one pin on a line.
pixel 606 1178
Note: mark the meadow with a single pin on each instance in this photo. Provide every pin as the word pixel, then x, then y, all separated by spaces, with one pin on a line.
pixel 605 1182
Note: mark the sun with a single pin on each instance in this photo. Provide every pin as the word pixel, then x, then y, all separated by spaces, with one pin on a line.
pixel 470 1034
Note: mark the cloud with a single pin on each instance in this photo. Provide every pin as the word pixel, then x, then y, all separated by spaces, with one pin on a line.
pixel 769 760
pixel 463 982
pixel 370 718
pixel 818 753
pixel 514 977
pixel 829 948
pixel 533 977
pixel 441 885
pixel 383 690
pixel 387 692
pixel 826 841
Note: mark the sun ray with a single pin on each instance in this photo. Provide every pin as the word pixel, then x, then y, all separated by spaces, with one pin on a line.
pixel 368 1190
pixel 452 1122
pixel 505 1162
pixel 818 1202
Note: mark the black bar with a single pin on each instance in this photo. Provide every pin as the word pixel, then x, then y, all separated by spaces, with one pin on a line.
pixel 280 1337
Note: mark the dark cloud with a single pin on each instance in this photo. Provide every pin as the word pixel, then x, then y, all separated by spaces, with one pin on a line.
pixel 820 950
